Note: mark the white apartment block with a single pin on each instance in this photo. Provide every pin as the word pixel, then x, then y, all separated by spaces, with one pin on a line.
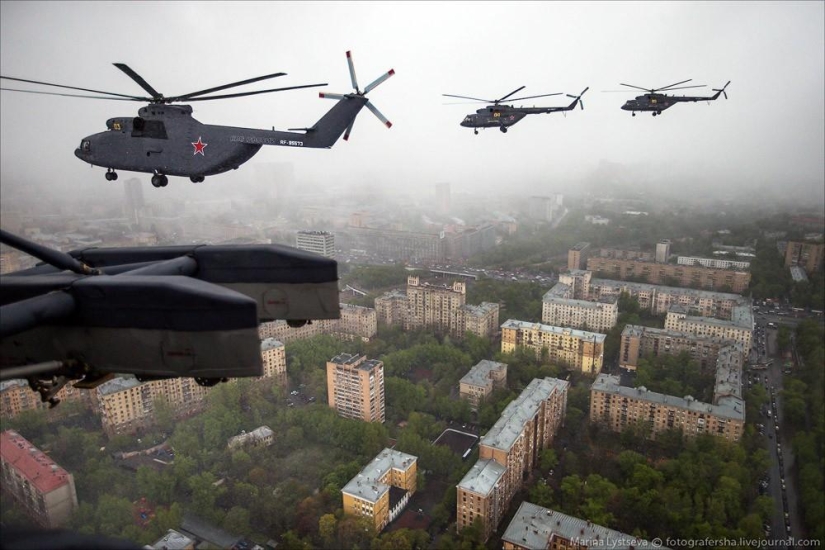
pixel 319 242
pixel 712 262
pixel 560 309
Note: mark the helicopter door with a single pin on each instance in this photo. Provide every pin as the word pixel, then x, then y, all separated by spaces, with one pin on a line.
pixel 148 128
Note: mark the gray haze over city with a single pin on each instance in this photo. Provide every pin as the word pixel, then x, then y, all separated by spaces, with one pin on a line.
pixel 766 140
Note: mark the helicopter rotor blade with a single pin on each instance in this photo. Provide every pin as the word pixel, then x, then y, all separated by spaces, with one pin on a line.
pixel 349 130
pixel 130 97
pixel 352 72
pixel 224 87
pixel 326 95
pixel 379 80
pixel 637 87
pixel 671 85
pixel 377 113
pixel 686 87
pixel 508 95
pixel 78 95
pixel 243 94
pixel 533 96
pixel 139 79
pixel 473 98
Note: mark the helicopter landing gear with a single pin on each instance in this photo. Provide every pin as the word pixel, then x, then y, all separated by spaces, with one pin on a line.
pixel 196 179
pixel 111 175
pixel 159 180
pixel 655 113
pixel 634 114
pixel 475 131
pixel 503 129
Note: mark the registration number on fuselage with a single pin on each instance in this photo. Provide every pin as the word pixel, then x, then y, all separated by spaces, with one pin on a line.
pixel 266 141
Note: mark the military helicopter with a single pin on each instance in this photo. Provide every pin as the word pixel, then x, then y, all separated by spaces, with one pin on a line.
pixel 164 139
pixel 503 116
pixel 657 102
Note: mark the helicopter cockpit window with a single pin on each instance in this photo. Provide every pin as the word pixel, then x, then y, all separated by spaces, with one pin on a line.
pixel 148 128
pixel 85 146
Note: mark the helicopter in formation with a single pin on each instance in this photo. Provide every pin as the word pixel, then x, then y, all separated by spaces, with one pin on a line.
pixel 502 117
pixel 656 102
pixel 165 140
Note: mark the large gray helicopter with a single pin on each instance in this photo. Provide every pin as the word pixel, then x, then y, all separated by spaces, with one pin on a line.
pixel 503 116
pixel 656 102
pixel 164 139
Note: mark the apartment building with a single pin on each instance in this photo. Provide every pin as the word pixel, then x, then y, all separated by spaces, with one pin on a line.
pixel 638 341
pixel 658 299
pixel 434 307
pixel 739 328
pixel 695 276
pixel 509 451
pixel 481 320
pixel 808 255
pixel 383 488
pixel 273 357
pixel 355 387
pixel 662 251
pixel 16 396
pixel 618 407
pixel 42 489
pixel 537 528
pixel 391 308
pixel 716 263
pixel 560 309
pixel 318 242
pixel 577 349
pixel 577 256
pixel 479 383
pixel 263 436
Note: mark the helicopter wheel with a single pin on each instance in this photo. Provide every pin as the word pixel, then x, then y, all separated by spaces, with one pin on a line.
pixel 655 113
pixel 159 180
pixel 111 175
pixel 475 132
pixel 634 114
pixel 196 179
pixel 503 129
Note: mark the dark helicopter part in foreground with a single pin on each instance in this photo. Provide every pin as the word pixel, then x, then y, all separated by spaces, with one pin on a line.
pixel 155 312
pixel 503 116
pixel 655 102
pixel 165 140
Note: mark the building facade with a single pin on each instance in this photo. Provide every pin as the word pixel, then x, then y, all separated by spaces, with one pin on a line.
pixel 479 383
pixel 509 452
pixel 736 329
pixel 560 309
pixel 434 307
pixel 807 255
pixel 481 320
pixel 383 488
pixel 577 349
pixel 42 489
pixel 262 436
pixel 577 256
pixel 693 276
pixel 354 322
pixel 662 251
pixel 16 396
pixel 319 242
pixel 617 407
pixel 716 263
pixel 391 308
pixel 355 387
pixel 638 342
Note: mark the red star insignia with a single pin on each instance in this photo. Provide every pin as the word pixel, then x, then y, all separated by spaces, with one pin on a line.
pixel 199 145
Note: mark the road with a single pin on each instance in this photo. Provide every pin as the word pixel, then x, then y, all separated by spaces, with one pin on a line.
pixel 779 446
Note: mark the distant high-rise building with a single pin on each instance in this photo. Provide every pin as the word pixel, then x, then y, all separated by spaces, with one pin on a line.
pixel 434 306
pixel 662 251
pixel 355 387
pixel 44 491
pixel 134 199
pixel 319 242
pixel 577 256
pixel 442 198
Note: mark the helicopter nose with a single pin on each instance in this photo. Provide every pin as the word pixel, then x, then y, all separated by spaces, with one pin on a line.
pixel 84 150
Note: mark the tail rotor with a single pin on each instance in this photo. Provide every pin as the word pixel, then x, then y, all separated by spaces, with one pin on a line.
pixel 724 93
pixel 374 84
pixel 579 97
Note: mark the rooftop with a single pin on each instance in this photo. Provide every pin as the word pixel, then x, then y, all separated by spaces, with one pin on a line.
pixel 32 463
pixel 482 477
pixel 576 333
pixel 479 375
pixel 367 484
pixel 268 344
pixel 117 384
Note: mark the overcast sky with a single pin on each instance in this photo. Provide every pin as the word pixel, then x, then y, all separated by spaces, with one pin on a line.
pixel 769 133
